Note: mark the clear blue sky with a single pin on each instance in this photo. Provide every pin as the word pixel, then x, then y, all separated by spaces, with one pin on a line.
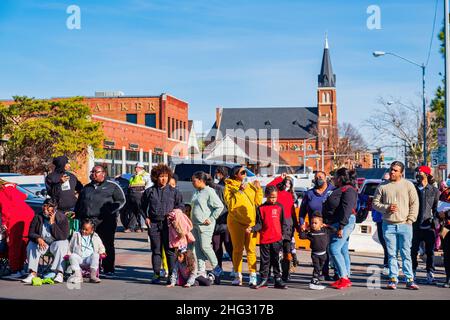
pixel 219 53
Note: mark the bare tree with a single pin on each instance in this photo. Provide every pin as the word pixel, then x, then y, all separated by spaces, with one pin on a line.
pixel 349 144
pixel 397 121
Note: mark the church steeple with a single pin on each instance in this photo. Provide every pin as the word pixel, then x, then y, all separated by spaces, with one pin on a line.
pixel 326 77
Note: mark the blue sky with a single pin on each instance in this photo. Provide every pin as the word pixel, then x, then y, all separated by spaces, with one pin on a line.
pixel 219 53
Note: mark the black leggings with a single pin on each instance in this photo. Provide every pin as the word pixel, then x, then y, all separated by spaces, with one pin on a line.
pixel 218 241
pixel 159 239
pixel 383 244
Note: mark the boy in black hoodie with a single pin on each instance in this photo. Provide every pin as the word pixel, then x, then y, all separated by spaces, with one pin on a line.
pixel 319 235
pixel 63 185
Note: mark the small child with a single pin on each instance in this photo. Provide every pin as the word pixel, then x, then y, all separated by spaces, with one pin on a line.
pixel 85 247
pixel 185 271
pixel 319 236
pixel 270 224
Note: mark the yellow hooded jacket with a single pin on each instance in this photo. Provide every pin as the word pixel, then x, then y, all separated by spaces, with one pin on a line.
pixel 242 204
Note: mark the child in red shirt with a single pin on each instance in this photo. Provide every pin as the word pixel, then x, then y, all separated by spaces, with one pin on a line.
pixel 270 223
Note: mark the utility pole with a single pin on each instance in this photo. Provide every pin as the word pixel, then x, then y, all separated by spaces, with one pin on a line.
pixel 447 80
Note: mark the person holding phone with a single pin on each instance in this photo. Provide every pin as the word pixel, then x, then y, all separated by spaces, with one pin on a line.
pixel 242 198
pixel 398 201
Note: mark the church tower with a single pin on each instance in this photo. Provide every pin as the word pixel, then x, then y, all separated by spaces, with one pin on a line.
pixel 326 103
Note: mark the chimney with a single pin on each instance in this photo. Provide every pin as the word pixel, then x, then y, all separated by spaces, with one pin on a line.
pixel 218 116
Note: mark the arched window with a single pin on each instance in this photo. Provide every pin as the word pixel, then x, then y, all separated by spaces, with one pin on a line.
pixel 309 147
pixel 324 98
pixel 328 97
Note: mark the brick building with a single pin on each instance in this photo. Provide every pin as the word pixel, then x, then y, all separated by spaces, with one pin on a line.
pixel 148 129
pixel 303 133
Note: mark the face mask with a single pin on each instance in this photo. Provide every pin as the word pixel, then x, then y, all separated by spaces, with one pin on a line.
pixel 319 183
pixel 216 181
pixel 447 182
pixel 419 178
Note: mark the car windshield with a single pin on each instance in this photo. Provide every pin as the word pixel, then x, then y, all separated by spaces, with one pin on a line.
pixel 28 193
pixel 369 189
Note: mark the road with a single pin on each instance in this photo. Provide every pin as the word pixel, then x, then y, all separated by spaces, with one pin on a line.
pixel 134 274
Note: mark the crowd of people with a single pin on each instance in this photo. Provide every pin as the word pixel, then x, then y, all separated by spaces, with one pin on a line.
pixel 226 210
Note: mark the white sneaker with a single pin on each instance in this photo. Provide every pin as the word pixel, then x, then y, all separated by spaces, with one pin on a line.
pixel 253 280
pixel 74 279
pixel 314 286
pixel 59 278
pixel 29 278
pixel 237 280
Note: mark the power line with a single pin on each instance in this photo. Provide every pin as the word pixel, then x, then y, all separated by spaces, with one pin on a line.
pixel 432 33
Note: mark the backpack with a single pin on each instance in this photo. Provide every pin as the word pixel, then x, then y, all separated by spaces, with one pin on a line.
pixel 359 212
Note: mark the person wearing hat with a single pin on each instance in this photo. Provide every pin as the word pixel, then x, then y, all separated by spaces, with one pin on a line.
pixel 139 182
pixel 423 228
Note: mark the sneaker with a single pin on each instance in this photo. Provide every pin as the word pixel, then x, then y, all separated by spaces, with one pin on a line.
pixel 411 285
pixel 127 231
pixel 253 281
pixel 336 284
pixel 315 285
pixel 163 273
pixel 211 277
pixel 217 271
pixel 16 275
pixel 60 278
pixel 279 284
pixel 344 283
pixel 321 278
pixel 29 278
pixel 75 279
pixel 263 284
pixel 139 230
pixel 156 280
pixel 430 278
pixel 392 285
pixel 237 280
pixel 446 284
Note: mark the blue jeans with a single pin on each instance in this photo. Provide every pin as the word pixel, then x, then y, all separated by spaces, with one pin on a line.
pixel 339 248
pixel 398 237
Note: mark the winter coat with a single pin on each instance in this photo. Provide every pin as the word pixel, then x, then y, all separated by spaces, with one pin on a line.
pixel 242 204
pixel 65 199
pixel 59 230
pixel 180 229
pixel 75 244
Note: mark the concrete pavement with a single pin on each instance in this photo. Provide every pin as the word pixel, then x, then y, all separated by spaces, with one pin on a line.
pixel 133 274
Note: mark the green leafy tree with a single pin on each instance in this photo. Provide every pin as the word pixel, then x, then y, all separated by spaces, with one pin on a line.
pixel 38 130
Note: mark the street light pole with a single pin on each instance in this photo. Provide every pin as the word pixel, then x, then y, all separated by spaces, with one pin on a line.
pixel 377 54
pixel 447 80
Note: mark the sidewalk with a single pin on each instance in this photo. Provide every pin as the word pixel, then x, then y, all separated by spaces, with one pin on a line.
pixel 133 281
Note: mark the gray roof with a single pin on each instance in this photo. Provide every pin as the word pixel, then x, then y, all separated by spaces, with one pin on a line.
pixel 326 77
pixel 292 123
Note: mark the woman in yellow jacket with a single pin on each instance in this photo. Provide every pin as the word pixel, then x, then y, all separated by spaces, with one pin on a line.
pixel 242 199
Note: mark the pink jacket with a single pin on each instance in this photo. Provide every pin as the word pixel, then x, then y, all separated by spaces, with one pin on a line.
pixel 180 227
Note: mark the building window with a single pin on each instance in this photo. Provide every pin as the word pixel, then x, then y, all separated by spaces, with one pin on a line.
pixel 324 99
pixel 132 117
pixel 157 158
pixel 173 128
pixel 146 157
pixel 168 127
pixel 113 154
pixel 309 147
pixel 132 156
pixel 150 120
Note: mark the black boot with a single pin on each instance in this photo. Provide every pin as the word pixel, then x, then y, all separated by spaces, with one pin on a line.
pixel 285 266
pixel 263 284
pixel 294 260
pixel 279 284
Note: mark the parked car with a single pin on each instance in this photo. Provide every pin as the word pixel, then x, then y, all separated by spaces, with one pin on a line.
pixel 366 194
pixel 185 169
pixel 33 200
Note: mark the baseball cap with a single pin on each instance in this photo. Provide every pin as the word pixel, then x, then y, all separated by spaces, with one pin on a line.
pixel 425 169
pixel 140 165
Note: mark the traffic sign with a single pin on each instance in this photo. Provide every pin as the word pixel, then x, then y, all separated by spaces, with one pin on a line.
pixel 434 158
pixel 439 156
pixel 442 137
